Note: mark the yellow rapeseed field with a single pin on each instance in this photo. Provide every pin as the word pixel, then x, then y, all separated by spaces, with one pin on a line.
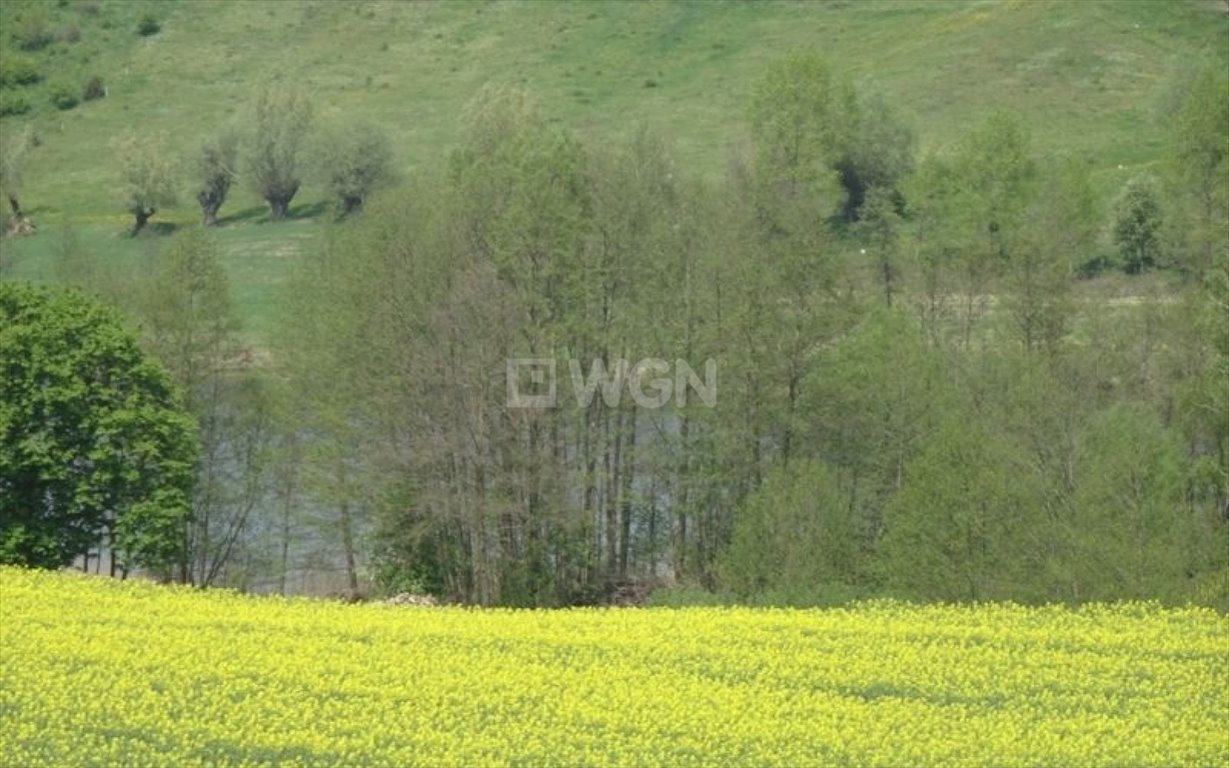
pixel 100 672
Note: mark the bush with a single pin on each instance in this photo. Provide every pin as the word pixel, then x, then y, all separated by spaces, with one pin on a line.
pixel 93 89
pixel 16 69
pixel 63 97
pixel 1095 266
pixel 32 33
pixel 13 104
pixel 1137 225
pixel 69 33
pixel 148 25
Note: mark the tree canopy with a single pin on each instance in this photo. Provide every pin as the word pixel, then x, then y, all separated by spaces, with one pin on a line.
pixel 95 447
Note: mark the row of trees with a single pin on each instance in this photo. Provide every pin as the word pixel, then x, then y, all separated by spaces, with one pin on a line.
pixel 351 160
pixel 275 151
pixel 913 397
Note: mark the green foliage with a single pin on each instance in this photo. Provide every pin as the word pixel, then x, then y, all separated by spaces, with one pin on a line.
pixel 538 243
pixel 995 161
pixel 32 32
pixel 280 122
pixel 802 118
pixel 148 25
pixel 68 33
pixel 962 526
pixel 796 533
pixel 1133 535
pixel 1199 162
pixel 148 176
pixel 355 161
pixel 1137 226
pixel 17 70
pixel 810 128
pixel 216 169
pixel 1056 238
pixel 880 227
pixel 879 156
pixel 15 147
pixel 63 96
pixel 93 89
pixel 94 445
pixel 13 103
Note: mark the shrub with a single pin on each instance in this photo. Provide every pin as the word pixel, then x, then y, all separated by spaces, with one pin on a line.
pixel 148 25
pixel 93 89
pixel 63 97
pixel 1095 266
pixel 16 69
pixel 69 33
pixel 32 33
pixel 1137 225
pixel 13 104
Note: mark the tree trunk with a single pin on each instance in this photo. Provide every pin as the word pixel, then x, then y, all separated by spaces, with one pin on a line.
pixel 628 470
pixel 279 208
pixel 347 541
pixel 886 268
pixel 209 211
pixel 142 215
pixel 16 206
pixel 611 460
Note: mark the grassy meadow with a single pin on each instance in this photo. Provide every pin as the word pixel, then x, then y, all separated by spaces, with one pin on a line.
pixel 1090 80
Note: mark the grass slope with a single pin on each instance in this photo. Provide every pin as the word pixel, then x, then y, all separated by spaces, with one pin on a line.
pixel 1090 78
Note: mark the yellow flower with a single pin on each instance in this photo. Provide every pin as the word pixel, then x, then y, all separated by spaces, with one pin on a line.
pixel 99 672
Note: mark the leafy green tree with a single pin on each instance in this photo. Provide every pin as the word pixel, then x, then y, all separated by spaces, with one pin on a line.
pixel 962 526
pixel 879 226
pixel 14 155
pixel 878 156
pixel 182 299
pixel 1133 533
pixel 995 160
pixel 147 174
pixel 874 398
pixel 795 538
pixel 1137 226
pixel 523 203
pixel 355 161
pixel 215 172
pixel 356 327
pixel 802 118
pixel 938 242
pixel 95 447
pixel 1199 162
pixel 1056 236
pixel 281 121
pixel 995 183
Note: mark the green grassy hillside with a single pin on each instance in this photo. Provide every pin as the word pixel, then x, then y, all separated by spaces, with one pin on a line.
pixel 1090 78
